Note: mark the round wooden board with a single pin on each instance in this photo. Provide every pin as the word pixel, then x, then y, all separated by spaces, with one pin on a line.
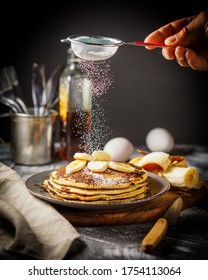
pixel 149 211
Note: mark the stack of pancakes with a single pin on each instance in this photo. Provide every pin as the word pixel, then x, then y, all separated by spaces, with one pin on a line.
pixel 86 186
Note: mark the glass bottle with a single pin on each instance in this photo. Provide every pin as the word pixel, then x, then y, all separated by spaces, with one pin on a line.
pixel 75 105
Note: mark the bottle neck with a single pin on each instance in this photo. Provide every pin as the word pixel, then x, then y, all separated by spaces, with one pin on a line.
pixel 71 57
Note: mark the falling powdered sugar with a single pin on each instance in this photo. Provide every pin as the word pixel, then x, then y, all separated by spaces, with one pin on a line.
pixel 92 126
pixel 99 73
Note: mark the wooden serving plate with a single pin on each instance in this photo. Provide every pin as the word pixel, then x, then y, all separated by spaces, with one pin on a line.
pixel 149 211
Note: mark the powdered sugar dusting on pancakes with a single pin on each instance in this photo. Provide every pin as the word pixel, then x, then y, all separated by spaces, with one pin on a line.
pixel 99 179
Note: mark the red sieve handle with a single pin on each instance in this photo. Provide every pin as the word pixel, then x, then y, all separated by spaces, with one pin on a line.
pixel 161 45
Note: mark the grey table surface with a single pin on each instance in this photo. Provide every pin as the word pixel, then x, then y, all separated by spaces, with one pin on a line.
pixel 187 239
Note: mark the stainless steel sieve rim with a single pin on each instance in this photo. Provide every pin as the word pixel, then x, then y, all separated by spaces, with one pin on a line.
pixel 75 39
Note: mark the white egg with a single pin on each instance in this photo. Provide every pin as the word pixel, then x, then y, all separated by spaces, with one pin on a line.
pixel 119 148
pixel 159 139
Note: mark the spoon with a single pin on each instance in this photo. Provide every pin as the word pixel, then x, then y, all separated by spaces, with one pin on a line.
pixel 99 47
pixel 10 88
pixel 9 103
pixel 51 88
pixel 38 88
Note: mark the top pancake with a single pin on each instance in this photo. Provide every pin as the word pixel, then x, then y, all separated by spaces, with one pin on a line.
pixel 109 179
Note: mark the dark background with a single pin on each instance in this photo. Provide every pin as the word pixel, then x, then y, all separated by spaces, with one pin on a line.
pixel 148 91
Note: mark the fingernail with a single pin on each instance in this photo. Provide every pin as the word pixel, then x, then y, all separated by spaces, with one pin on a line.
pixel 171 40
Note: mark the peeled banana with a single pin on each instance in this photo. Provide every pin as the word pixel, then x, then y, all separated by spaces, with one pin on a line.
pixel 158 159
pixel 174 169
pixel 182 176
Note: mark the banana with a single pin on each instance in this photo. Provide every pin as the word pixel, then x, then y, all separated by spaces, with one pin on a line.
pixel 121 166
pixel 200 184
pixel 182 176
pixel 101 156
pixel 97 166
pixel 179 161
pixel 75 166
pixel 155 161
pixel 83 156
pixel 135 160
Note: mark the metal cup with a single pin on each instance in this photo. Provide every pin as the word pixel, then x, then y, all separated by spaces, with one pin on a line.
pixel 33 138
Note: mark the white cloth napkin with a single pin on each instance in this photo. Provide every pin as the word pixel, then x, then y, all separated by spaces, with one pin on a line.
pixel 29 225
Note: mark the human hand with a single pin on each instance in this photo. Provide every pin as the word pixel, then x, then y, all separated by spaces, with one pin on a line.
pixel 188 41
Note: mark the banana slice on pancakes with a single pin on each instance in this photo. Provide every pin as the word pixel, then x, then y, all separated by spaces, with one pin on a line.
pixel 97 166
pixel 83 156
pixel 75 166
pixel 121 166
pixel 101 156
